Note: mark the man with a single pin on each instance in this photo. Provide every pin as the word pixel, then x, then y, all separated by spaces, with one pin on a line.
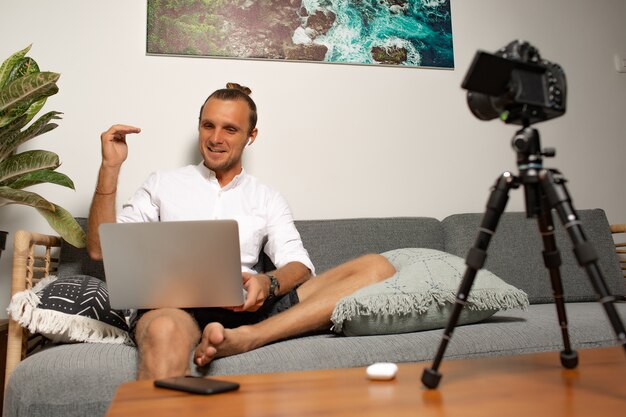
pixel 279 304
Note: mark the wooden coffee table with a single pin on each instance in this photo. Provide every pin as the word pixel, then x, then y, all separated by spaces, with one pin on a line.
pixel 526 385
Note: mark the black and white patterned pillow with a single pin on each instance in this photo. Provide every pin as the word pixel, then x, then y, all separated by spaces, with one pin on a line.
pixel 72 309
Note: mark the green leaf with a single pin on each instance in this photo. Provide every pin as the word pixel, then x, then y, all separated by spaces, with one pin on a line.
pixel 26 198
pixel 25 162
pixel 40 177
pixel 12 130
pixel 27 89
pixel 7 66
pixel 65 225
pixel 24 67
pixel 34 109
pixel 41 126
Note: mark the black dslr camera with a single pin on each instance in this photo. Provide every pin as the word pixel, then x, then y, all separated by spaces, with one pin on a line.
pixel 516 85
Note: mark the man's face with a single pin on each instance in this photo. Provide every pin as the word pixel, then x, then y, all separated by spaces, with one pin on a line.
pixel 223 134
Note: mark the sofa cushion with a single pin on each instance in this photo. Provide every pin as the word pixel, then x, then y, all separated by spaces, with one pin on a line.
pixel 515 253
pixel 71 309
pixel 421 296
pixel 333 242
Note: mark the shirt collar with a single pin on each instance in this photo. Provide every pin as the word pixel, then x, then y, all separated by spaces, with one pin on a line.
pixel 209 175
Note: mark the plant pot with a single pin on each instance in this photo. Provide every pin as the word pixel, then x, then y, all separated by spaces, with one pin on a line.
pixel 3 241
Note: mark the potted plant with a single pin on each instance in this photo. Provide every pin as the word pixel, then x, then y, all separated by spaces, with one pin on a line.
pixel 23 92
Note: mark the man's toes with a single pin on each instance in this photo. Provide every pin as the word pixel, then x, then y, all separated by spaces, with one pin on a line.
pixel 204 356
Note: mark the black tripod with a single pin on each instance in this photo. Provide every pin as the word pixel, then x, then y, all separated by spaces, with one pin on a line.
pixel 544 190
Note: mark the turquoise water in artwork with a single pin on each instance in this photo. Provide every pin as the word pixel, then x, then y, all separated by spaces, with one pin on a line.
pixel 422 27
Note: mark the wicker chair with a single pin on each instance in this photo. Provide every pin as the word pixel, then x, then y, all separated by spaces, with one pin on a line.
pixel 35 256
pixel 620 245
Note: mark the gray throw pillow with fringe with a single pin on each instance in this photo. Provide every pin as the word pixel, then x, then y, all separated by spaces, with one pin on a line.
pixel 70 309
pixel 421 296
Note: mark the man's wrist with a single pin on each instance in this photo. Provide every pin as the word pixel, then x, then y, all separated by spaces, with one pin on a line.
pixel 107 180
pixel 100 192
pixel 274 288
pixel 108 169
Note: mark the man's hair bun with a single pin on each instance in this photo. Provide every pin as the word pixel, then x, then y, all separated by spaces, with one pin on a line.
pixel 239 87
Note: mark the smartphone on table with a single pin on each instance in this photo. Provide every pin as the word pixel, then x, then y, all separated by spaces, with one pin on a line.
pixel 196 385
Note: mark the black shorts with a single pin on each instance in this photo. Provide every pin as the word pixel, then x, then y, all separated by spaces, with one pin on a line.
pixel 230 319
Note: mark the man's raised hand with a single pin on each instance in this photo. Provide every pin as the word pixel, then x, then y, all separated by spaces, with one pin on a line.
pixel 114 147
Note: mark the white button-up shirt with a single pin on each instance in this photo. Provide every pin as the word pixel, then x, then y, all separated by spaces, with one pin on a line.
pixel 193 193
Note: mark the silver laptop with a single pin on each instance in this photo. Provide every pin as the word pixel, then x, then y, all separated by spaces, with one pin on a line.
pixel 172 264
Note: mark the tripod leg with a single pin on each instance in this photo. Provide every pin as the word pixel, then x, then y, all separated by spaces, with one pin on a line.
pixel 475 261
pixel 552 260
pixel 554 186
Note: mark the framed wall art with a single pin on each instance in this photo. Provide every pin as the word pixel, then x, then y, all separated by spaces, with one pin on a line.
pixel 414 33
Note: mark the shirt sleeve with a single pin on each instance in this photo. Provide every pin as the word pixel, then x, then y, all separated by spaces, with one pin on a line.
pixel 284 244
pixel 142 206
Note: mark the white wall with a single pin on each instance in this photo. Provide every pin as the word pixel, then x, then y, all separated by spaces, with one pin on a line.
pixel 337 140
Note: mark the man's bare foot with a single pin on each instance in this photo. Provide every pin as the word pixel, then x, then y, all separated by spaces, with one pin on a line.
pixel 217 342
pixel 212 335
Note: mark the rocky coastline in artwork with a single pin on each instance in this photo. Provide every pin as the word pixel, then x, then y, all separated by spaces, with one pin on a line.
pixel 287 29
pixel 264 29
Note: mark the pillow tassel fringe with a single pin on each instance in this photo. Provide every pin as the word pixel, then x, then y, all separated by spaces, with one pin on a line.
pixel 482 300
pixel 349 307
pixel 479 299
pixel 55 325
pixel 24 303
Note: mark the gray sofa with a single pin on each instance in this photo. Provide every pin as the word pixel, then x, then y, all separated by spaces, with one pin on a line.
pixel 80 379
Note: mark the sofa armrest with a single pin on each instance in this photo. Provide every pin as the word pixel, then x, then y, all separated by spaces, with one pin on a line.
pixel 34 258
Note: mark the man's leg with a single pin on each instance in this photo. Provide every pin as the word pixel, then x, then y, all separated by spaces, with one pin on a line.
pixel 318 297
pixel 165 338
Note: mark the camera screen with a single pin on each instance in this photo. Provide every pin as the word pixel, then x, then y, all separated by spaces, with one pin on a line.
pixel 489 74
pixel 531 86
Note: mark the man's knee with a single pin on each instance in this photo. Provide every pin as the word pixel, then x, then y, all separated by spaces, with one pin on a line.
pixel 378 265
pixel 166 326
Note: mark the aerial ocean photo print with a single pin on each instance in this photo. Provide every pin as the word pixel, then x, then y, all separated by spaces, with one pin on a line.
pixel 413 33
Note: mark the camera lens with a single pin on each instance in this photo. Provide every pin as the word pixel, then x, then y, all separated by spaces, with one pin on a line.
pixel 482 106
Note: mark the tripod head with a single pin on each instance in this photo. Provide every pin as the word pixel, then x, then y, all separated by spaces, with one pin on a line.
pixel 527 145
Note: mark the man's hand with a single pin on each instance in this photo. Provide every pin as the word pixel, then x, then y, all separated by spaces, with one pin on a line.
pixel 258 288
pixel 114 147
